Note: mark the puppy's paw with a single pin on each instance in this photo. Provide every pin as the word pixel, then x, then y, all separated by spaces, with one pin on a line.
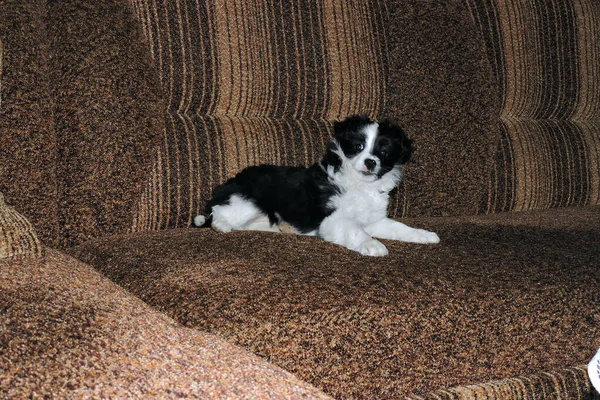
pixel 221 226
pixel 373 248
pixel 422 236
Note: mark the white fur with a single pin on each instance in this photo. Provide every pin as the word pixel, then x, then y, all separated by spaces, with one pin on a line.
pixel 199 220
pixel 240 215
pixel 358 162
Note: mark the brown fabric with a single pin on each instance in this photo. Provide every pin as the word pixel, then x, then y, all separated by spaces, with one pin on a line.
pixel 249 83
pixel 108 111
pixel 282 72
pixel 544 164
pixel 17 237
pixel 68 332
pixel 572 383
pixel 546 58
pixel 294 59
pixel 501 296
pixel 27 137
pixel 440 87
pixel 545 55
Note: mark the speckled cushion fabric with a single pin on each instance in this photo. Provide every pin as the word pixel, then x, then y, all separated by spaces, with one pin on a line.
pixel 440 87
pixel 108 112
pixel 27 134
pixel 501 297
pixel 68 332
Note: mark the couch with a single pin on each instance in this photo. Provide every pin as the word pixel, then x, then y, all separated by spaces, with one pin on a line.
pixel 118 117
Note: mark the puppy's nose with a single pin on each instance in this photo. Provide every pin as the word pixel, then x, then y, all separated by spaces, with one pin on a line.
pixel 371 164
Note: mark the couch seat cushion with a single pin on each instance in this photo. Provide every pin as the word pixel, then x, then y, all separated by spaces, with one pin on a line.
pixel 501 296
pixel 67 332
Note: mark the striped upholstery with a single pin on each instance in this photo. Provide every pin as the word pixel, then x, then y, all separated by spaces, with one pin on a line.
pixel 299 59
pixel 250 82
pixel 571 383
pixel 546 59
pixel 544 164
pixel 17 237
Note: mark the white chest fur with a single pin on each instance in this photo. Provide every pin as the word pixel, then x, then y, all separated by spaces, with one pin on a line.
pixel 361 200
pixel 361 205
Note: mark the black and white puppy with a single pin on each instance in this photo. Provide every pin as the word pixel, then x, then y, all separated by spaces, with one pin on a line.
pixel 342 199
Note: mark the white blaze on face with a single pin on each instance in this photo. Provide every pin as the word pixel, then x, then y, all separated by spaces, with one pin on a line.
pixel 358 162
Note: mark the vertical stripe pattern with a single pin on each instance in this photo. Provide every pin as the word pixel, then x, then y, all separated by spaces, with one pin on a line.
pixel 17 237
pixel 267 58
pixel 546 57
pixel 250 82
pixel 569 383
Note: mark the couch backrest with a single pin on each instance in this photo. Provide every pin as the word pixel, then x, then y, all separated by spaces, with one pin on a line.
pixel 145 107
pixel 546 59
pixel 27 135
pixel 252 82
pixel 78 116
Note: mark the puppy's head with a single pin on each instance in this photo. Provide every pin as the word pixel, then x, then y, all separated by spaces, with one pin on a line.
pixel 372 149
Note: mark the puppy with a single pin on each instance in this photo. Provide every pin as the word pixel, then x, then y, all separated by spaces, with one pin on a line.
pixel 343 198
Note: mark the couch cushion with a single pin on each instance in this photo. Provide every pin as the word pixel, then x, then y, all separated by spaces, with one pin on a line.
pixel 17 237
pixel 109 110
pixel 27 135
pixel 543 164
pixel 295 59
pixel 68 332
pixel 500 296
pixel 440 86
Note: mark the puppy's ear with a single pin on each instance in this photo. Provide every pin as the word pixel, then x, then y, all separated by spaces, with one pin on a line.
pixel 403 141
pixel 343 129
pixel 407 149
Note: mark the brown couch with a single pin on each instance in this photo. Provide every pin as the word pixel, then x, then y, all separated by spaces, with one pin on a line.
pixel 117 118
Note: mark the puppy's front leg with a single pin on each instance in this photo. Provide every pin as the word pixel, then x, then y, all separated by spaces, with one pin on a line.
pixel 389 229
pixel 351 235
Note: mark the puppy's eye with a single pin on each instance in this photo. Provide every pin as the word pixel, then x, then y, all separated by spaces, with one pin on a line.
pixel 383 153
pixel 359 146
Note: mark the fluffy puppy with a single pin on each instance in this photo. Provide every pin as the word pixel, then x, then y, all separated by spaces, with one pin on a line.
pixel 343 198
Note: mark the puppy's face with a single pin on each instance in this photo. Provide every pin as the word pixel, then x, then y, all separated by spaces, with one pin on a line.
pixel 372 149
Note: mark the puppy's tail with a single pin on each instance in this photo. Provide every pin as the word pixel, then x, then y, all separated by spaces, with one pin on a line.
pixel 201 221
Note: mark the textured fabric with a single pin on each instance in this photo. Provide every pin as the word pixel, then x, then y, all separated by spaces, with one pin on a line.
pixel 572 383
pixel 108 111
pixel 501 296
pixel 68 332
pixel 545 164
pixel 264 58
pixel 546 59
pixel 261 82
pixel 250 83
pixel 27 136
pixel 17 237
pixel 197 154
pixel 440 88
